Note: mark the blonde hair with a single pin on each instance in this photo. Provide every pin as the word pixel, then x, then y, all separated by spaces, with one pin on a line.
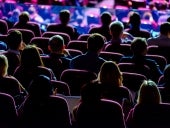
pixel 3 65
pixel 149 93
pixel 110 74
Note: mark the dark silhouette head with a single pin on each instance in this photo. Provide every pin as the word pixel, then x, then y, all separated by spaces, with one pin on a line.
pixel 165 28
pixel 64 16
pixel 95 42
pixel 135 19
pixel 24 17
pixel 14 39
pixel 106 18
pixel 139 46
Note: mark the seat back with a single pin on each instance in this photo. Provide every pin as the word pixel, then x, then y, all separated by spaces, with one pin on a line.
pixel 78 45
pixel 76 79
pixel 74 52
pixel 41 42
pixel 65 36
pixel 83 37
pixel 111 56
pixel 26 34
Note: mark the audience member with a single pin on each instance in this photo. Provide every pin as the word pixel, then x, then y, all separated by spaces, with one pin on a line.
pixel 10 84
pixel 15 45
pixel 31 66
pixel 165 86
pixel 139 49
pixel 24 23
pixel 41 108
pixel 92 111
pixel 59 58
pixel 90 60
pixel 149 110
pixel 135 29
pixel 63 26
pixel 164 37
pixel 105 19
pixel 112 87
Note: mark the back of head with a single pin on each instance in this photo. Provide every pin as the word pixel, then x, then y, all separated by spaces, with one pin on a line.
pixel 40 87
pixel 110 74
pixel 14 39
pixel 30 57
pixel 139 46
pixel 64 16
pixel 166 73
pixel 24 17
pixel 106 18
pixel 149 93
pixel 90 92
pixel 165 28
pixel 116 29
pixel 56 43
pixel 135 19
pixel 3 65
pixel 95 42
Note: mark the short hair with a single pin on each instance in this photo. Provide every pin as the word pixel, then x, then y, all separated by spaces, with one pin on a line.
pixel 14 39
pixel 165 28
pixel 64 16
pixel 40 86
pixel 95 42
pixel 56 43
pixel 3 65
pixel 106 18
pixel 116 28
pixel 110 74
pixel 138 45
pixel 24 17
pixel 135 19
pixel 149 93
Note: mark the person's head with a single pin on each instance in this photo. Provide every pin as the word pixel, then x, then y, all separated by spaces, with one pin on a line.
pixel 90 92
pixel 106 18
pixel 168 19
pixel 3 65
pixel 56 44
pixel 40 87
pixel 149 93
pixel 64 16
pixel 95 42
pixel 139 46
pixel 110 74
pixel 135 19
pixel 30 57
pixel 166 73
pixel 116 29
pixel 165 29
pixel 24 17
pixel 14 40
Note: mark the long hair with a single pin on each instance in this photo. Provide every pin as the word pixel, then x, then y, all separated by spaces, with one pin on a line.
pixel 110 74
pixel 149 93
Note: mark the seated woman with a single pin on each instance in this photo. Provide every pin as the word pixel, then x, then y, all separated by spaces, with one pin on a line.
pixel 10 84
pixel 31 66
pixel 111 79
pixel 149 112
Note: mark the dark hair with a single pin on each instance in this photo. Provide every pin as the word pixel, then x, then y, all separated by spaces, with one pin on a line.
pixel 116 28
pixel 40 86
pixel 166 73
pixel 14 39
pixel 138 45
pixel 64 16
pixel 106 18
pixel 95 42
pixel 24 17
pixel 165 28
pixel 56 43
pixel 30 57
pixel 135 19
